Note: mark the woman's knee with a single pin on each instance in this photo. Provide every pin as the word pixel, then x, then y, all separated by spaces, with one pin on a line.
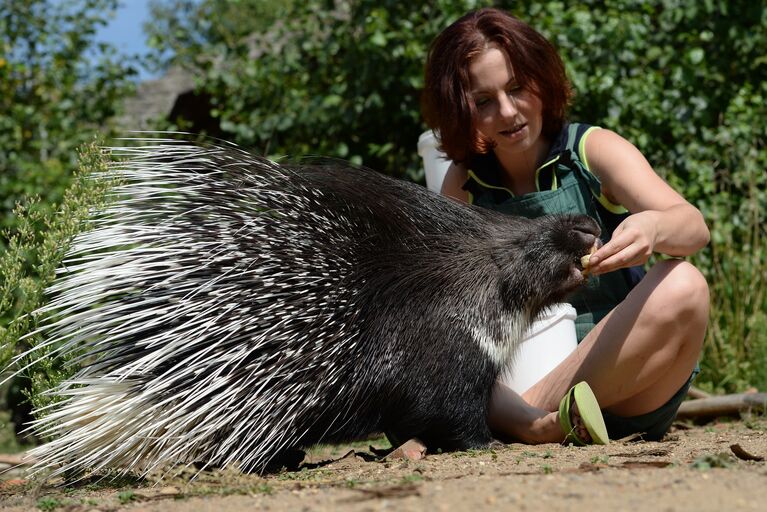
pixel 681 293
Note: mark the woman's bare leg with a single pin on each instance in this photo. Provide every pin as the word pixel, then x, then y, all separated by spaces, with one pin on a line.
pixel 635 359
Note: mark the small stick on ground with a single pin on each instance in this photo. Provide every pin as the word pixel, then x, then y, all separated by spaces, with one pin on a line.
pixel 694 392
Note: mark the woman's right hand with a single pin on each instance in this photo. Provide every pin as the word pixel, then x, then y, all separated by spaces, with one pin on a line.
pixel 632 244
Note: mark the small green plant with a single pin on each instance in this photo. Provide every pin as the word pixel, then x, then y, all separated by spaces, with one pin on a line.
pixel 236 488
pixel 48 503
pixel 716 460
pixel 34 251
pixel 264 489
pixel 475 452
pixel 8 441
pixel 547 469
pixel 600 459
pixel 304 474
pixel 108 480
pixel 756 422
pixel 126 497
pixel 412 478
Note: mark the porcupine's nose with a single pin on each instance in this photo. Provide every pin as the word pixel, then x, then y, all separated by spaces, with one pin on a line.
pixel 584 238
pixel 586 233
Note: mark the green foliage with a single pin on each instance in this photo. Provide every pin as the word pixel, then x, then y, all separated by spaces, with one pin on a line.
pixel 36 249
pixel 47 503
pixel 339 79
pixel 126 497
pixel 8 441
pixel 57 88
pixel 708 461
pixel 736 346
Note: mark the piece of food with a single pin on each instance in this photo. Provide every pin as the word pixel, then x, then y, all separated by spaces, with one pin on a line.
pixel 586 259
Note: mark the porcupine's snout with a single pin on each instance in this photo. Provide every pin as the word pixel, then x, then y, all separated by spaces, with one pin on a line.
pixel 581 240
pixel 552 251
pixel 585 233
pixel 586 241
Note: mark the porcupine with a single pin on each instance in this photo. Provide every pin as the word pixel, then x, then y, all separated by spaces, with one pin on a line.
pixel 232 309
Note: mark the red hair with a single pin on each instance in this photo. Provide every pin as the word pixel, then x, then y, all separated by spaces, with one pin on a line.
pixel 447 106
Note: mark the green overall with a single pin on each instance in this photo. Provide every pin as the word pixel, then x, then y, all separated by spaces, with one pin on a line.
pixel 565 186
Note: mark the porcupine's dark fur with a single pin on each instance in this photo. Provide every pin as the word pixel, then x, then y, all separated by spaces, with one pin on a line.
pixel 235 308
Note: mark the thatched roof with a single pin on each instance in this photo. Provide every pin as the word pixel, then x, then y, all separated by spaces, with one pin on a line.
pixel 155 99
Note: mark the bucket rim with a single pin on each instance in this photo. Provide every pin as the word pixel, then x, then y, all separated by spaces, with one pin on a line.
pixel 550 316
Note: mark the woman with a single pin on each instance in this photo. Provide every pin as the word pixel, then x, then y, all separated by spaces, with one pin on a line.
pixel 496 93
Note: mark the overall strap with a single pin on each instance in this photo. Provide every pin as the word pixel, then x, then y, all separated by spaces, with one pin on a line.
pixel 575 132
pixel 572 165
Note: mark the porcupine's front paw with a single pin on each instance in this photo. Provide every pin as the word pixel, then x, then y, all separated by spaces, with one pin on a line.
pixel 289 459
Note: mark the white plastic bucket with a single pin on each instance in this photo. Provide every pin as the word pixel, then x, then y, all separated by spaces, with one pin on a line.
pixel 435 163
pixel 549 340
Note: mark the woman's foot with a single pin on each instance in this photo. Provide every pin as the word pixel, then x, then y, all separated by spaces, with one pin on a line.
pixel 579 426
pixel 512 417
pixel 548 428
pixel 587 418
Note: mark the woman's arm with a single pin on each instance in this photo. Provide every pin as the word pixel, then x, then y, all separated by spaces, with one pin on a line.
pixel 455 177
pixel 661 221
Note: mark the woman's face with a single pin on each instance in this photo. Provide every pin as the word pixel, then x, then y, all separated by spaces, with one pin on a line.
pixel 507 114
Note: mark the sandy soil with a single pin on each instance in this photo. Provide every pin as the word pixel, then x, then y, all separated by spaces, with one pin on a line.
pixel 691 469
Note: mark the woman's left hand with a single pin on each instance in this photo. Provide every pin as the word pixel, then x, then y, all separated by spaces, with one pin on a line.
pixel 632 244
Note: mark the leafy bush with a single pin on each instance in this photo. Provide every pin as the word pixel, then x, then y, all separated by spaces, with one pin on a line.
pixel 36 248
pixel 58 87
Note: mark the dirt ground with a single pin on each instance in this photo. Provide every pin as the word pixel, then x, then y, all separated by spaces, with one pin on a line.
pixel 694 468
